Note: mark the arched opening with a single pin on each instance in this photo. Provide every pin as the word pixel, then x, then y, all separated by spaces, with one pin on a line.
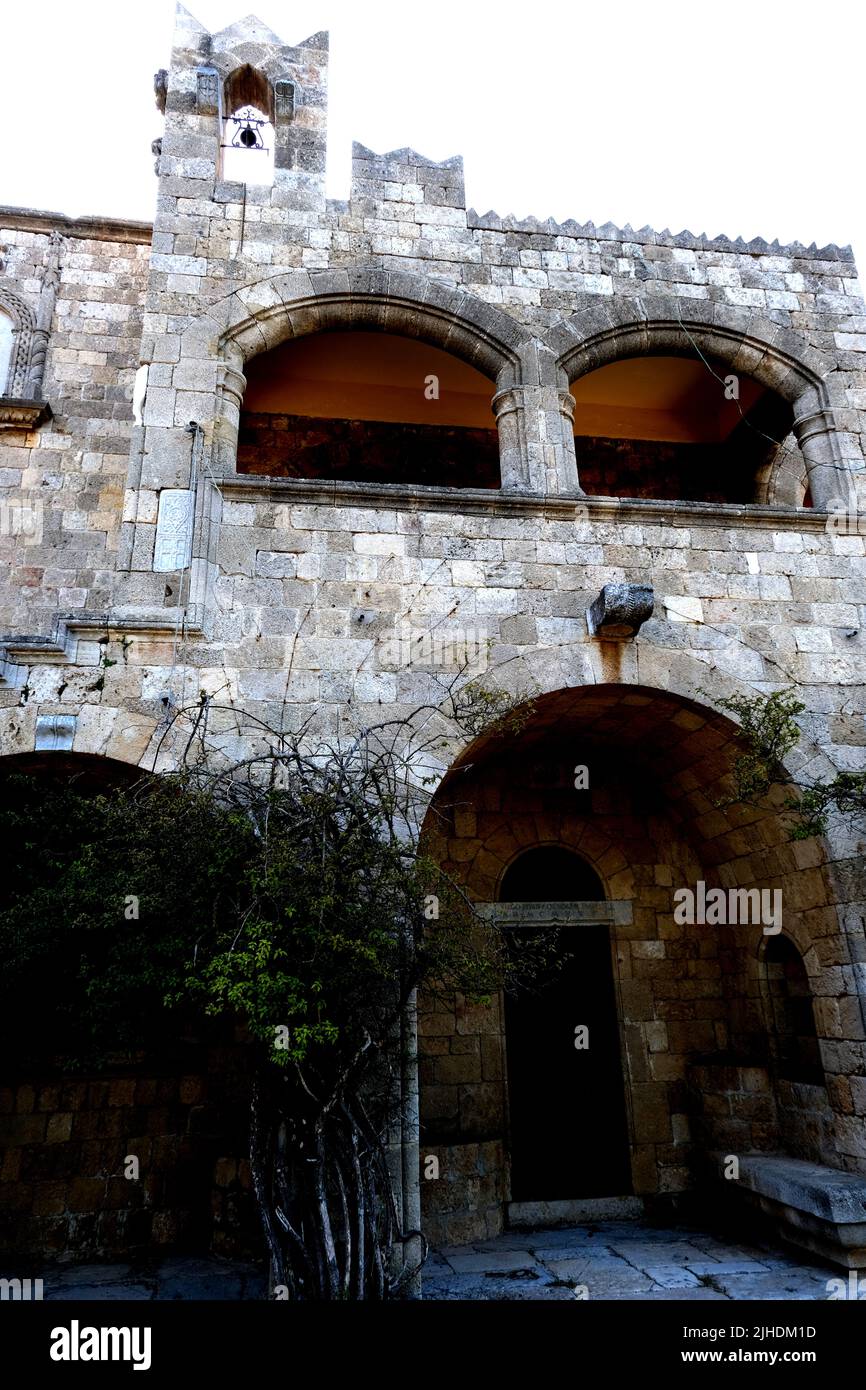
pixel 171 1096
pixel 248 128
pixel 368 407
pixel 679 428
pixel 550 874
pixel 652 818
pixel 568 1137
pixel 793 1039
pixel 86 773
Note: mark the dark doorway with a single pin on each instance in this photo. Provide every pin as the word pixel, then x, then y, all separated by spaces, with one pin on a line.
pixel 569 1137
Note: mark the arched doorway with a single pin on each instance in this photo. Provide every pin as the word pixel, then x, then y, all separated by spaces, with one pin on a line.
pixel 692 1002
pixel 87 1098
pixel 568 1136
pixel 791 1020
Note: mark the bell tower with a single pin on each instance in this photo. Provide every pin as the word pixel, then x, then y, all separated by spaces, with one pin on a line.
pixel 241 191
pixel 243 92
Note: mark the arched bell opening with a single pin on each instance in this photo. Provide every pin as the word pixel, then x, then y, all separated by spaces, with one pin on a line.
pixel 248 127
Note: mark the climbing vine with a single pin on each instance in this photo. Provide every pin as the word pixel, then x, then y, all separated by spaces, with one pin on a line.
pixel 770 731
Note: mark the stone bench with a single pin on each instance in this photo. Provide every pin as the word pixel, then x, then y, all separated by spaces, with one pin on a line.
pixel 818 1208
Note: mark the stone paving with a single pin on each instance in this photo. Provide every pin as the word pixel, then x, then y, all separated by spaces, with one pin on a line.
pixel 176 1277
pixel 622 1260
pixel 609 1259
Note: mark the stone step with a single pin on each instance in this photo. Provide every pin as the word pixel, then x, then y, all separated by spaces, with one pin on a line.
pixel 574 1211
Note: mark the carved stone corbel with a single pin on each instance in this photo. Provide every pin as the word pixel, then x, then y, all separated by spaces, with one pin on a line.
pixel 620 610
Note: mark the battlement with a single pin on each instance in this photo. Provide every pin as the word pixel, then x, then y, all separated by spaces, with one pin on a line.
pixel 648 236
pixel 190 36
pixel 212 76
pixel 406 176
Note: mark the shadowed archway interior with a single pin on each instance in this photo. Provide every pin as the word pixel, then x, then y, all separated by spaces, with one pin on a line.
pixel 679 427
pixel 687 1018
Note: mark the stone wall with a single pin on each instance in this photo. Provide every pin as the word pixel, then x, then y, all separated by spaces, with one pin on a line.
pixel 367 451
pixel 733 1108
pixel 64 1189
pixel 71 472
pixel 471 1190
pixel 651 468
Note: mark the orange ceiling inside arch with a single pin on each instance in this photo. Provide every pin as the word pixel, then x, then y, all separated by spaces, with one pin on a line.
pixel 368 376
pixel 667 398
pixel 384 376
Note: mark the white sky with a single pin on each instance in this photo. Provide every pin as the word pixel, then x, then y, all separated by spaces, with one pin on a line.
pixel 743 118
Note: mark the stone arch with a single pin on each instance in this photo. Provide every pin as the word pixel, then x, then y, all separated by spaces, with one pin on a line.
pixel 247 86
pixel 259 317
pixel 779 358
pixel 17 383
pixel 543 670
pixel 661 760
pixel 691 689
pixel 263 315
pixel 99 731
pixel 594 846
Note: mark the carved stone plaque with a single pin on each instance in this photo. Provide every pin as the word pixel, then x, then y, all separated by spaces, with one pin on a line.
pixel 577 914
pixel 173 530
pixel 207 95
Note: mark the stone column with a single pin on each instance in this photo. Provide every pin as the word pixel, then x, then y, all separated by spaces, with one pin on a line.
pixel 536 439
pixel 830 479
pixel 44 317
pixel 411 1156
pixel 231 385
pixel 513 459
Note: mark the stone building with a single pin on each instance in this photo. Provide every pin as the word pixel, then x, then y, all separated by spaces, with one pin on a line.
pixel 309 455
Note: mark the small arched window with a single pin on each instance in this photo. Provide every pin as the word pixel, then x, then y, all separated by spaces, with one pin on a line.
pixel 795 1041
pixel 7 331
